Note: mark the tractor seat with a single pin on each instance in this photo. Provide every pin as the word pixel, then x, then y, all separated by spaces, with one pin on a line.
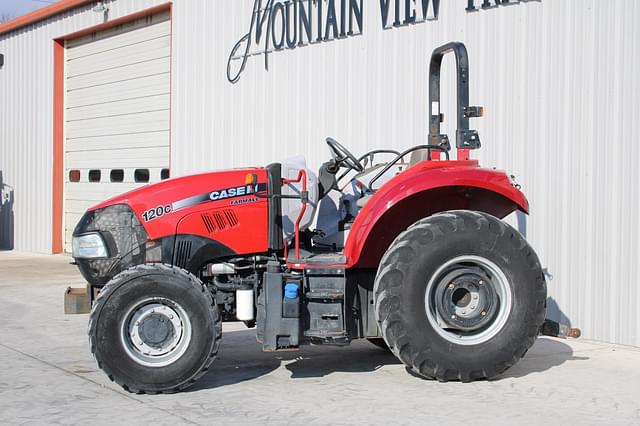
pixel 291 208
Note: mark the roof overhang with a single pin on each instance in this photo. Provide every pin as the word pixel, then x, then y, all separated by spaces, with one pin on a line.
pixel 41 14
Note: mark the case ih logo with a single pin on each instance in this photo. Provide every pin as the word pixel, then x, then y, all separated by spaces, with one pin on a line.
pixel 239 191
pixel 288 24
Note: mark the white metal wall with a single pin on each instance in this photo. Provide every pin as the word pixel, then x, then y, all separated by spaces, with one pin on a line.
pixel 26 106
pixel 559 83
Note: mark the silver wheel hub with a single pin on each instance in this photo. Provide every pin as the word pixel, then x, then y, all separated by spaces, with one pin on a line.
pixel 156 332
pixel 468 300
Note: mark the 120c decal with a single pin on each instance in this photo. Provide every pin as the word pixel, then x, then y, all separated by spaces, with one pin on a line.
pixel 156 212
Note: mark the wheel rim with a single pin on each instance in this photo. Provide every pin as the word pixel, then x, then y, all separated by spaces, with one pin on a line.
pixel 156 332
pixel 468 300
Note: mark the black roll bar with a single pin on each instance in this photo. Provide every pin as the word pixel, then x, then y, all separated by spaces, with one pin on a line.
pixel 465 138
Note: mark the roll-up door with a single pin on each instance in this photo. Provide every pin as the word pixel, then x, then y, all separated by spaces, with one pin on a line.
pixel 117 113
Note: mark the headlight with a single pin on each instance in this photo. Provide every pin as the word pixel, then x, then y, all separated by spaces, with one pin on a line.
pixel 89 246
pixel 116 235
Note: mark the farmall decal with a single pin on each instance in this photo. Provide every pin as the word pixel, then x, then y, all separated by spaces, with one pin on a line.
pixel 276 25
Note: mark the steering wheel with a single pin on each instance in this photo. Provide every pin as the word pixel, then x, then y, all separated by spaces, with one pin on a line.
pixel 343 156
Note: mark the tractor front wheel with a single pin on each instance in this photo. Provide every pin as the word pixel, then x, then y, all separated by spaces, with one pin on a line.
pixel 154 329
pixel 460 296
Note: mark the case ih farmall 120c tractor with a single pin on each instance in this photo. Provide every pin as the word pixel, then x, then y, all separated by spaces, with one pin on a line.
pixel 411 254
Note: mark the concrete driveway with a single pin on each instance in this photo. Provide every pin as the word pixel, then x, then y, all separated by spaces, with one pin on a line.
pixel 47 376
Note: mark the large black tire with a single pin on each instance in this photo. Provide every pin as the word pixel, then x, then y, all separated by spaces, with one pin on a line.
pixel 413 265
pixel 155 294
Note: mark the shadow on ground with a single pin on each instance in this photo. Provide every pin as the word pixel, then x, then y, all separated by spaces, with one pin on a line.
pixel 545 354
pixel 240 359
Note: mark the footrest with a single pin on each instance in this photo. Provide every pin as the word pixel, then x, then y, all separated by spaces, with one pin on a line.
pixel 324 306
pixel 318 259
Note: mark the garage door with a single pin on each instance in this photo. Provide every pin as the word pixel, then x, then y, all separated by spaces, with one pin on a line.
pixel 117 113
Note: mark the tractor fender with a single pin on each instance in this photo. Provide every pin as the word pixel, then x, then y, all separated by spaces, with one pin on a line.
pixel 424 189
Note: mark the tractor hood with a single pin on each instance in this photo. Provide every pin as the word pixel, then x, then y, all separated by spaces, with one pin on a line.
pixel 205 215
pixel 159 207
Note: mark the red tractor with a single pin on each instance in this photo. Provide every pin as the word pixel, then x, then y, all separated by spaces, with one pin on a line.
pixel 409 254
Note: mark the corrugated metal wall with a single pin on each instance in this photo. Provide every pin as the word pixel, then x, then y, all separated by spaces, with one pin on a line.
pixel 558 78
pixel 26 105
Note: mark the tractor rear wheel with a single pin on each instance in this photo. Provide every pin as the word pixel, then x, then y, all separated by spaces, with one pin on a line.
pixel 460 296
pixel 154 329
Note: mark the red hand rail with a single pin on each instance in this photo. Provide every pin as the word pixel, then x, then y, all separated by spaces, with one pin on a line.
pixel 302 177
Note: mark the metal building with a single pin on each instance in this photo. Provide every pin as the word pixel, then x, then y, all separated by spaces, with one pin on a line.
pixel 99 97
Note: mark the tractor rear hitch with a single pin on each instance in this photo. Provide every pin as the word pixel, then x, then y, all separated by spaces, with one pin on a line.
pixel 555 329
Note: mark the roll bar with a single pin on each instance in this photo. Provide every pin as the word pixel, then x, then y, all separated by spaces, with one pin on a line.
pixel 466 139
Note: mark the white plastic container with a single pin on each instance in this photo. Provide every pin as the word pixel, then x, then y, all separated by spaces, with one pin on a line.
pixel 244 305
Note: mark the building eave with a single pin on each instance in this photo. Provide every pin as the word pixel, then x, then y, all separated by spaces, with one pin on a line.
pixel 41 14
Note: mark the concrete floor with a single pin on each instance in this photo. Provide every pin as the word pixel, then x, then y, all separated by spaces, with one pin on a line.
pixel 47 376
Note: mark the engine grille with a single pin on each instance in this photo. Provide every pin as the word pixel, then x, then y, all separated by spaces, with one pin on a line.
pixel 219 220
pixel 125 238
pixel 183 253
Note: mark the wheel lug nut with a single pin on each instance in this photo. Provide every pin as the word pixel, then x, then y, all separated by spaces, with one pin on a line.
pixel 453 317
pixel 483 313
pixel 480 282
pixel 473 306
pixel 475 297
pixel 451 285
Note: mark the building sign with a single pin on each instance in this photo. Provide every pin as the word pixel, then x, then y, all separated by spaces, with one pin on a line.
pixel 288 24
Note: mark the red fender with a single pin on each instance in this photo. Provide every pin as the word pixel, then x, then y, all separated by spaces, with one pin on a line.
pixel 426 188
